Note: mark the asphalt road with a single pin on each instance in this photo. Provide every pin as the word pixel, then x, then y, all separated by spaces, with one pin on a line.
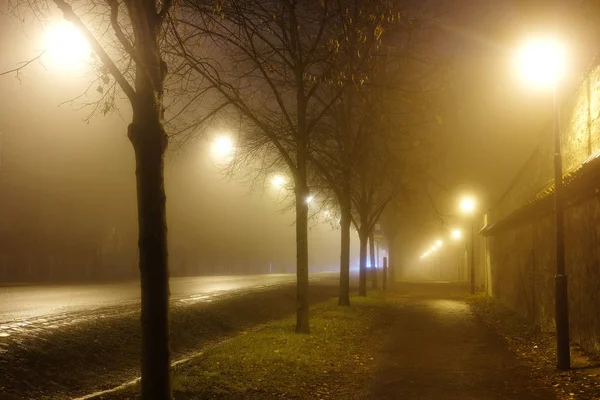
pixel 23 308
pixel 69 341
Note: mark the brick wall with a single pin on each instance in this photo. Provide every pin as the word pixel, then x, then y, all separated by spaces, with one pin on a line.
pixel 522 259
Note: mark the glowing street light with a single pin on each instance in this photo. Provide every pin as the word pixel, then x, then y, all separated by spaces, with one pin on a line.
pixel 222 146
pixel 278 181
pixel 309 199
pixel 456 234
pixel 542 62
pixel 468 204
pixel 438 243
pixel 65 44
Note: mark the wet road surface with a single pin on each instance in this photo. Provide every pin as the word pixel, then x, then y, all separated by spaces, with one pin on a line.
pixel 438 349
pixel 26 309
pixel 84 350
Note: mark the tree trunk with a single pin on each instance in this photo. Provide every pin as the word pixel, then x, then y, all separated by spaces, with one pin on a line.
pixel 385 272
pixel 149 142
pixel 373 261
pixel 302 325
pixel 391 258
pixel 362 272
pixel 344 299
pixel 302 193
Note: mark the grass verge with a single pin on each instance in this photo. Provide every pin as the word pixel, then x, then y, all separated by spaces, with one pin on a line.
pixel 103 352
pixel 272 361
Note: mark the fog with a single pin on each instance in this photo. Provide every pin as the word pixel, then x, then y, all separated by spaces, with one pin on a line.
pixel 493 120
pixel 67 190
pixel 67 187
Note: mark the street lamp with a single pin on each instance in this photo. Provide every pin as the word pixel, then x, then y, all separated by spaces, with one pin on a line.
pixel 222 146
pixel 65 44
pixel 541 61
pixel 278 181
pixel 468 204
pixel 456 234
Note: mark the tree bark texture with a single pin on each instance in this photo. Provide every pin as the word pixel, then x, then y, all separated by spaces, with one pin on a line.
pixel 344 298
pixel 385 272
pixel 373 261
pixel 301 192
pixel 362 272
pixel 301 186
pixel 149 141
pixel 302 325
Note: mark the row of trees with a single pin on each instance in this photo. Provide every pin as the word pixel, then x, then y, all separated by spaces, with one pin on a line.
pixel 317 85
pixel 294 70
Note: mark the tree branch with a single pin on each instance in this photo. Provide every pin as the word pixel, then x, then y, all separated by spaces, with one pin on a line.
pixel 70 16
pixel 23 65
pixel 164 11
pixel 114 21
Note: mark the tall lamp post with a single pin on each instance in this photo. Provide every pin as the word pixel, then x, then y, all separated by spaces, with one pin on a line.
pixel 467 207
pixel 541 61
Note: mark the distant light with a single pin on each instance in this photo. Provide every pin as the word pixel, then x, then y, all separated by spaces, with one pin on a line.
pixel 309 199
pixel 468 205
pixel 278 181
pixel 326 213
pixel 456 234
pixel 541 61
pixel 222 146
pixel 439 243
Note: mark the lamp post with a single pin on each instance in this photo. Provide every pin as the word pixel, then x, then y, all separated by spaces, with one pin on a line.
pixel 467 206
pixel 541 62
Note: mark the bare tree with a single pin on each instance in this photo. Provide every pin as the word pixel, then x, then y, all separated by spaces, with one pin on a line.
pixel 127 36
pixel 281 58
pixel 374 187
pixel 392 93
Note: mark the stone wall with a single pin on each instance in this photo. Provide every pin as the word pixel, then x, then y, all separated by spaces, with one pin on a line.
pixel 522 258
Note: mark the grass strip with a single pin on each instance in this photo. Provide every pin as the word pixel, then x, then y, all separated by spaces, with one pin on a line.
pixel 104 351
pixel 272 361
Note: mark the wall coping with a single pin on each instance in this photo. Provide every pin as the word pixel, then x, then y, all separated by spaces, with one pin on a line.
pixel 579 183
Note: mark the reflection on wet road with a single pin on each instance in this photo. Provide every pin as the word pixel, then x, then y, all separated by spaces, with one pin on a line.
pixel 31 309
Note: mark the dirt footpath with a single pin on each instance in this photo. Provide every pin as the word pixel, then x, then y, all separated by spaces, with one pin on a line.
pixel 437 349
